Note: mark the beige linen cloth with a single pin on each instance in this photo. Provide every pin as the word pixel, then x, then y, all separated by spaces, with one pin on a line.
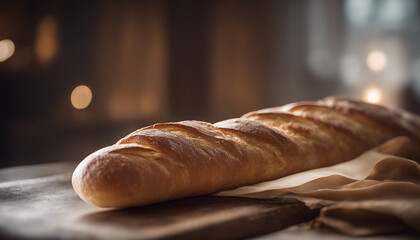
pixel 376 193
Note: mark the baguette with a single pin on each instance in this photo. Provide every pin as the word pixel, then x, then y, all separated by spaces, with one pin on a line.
pixel 190 158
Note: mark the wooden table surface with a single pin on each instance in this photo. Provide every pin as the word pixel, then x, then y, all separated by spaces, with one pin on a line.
pixel 39 202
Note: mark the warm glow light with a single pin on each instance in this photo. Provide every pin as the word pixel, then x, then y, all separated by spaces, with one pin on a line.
pixel 148 103
pixel 376 61
pixel 81 97
pixel 373 95
pixel 7 48
pixel 46 41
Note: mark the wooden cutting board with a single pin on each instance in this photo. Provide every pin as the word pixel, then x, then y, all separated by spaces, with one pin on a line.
pixel 39 202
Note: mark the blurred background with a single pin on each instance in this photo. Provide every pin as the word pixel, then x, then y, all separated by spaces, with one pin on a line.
pixel 76 76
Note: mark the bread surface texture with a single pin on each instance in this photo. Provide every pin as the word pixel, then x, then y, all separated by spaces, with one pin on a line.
pixel 190 158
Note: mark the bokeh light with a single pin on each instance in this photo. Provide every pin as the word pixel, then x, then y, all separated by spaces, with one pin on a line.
pixel 373 95
pixel 46 42
pixel 376 61
pixel 7 48
pixel 81 97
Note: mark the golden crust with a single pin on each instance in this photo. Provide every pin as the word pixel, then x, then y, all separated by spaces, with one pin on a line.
pixel 173 160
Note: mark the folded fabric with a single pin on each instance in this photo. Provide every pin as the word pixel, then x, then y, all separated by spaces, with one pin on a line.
pixel 376 193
